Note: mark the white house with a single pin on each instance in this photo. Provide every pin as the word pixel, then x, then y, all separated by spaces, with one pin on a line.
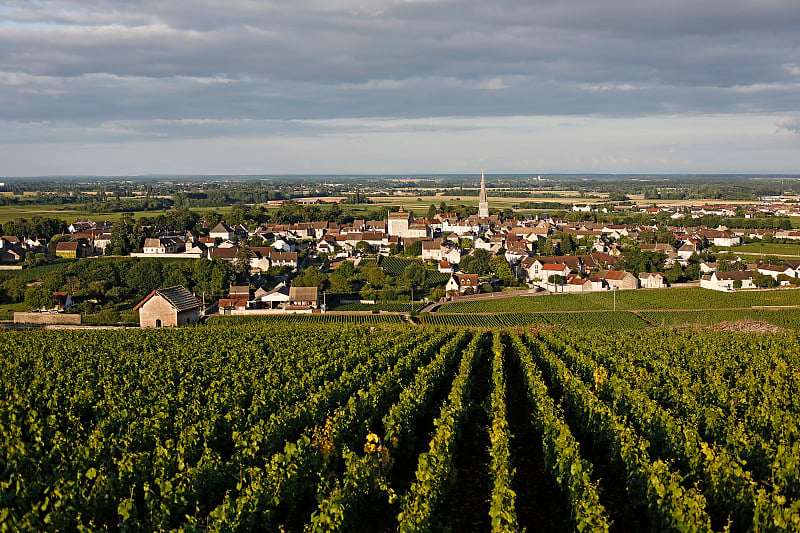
pixel 727 281
pixel 221 231
pixel 651 280
pixel 460 283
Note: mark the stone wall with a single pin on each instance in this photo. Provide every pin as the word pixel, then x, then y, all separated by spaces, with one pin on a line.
pixel 47 318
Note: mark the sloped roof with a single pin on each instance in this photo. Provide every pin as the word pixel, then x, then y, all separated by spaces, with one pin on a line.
pixel 302 294
pixel 221 228
pixel 178 297
pixel 734 275
pixel 555 267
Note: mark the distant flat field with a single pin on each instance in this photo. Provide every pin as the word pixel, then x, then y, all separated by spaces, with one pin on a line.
pixel 11 212
pixel 769 248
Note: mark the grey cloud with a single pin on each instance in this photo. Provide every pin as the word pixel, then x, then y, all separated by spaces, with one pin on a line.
pixel 93 62
pixel 791 124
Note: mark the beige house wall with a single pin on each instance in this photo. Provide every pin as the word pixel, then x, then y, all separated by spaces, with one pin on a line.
pixel 157 308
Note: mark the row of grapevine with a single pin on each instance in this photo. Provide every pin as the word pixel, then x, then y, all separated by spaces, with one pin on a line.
pixel 502 509
pixel 365 475
pixel 671 504
pixel 747 464
pixel 320 440
pixel 245 426
pixel 561 450
pixel 435 467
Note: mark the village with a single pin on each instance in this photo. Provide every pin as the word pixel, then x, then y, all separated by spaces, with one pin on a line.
pixel 459 256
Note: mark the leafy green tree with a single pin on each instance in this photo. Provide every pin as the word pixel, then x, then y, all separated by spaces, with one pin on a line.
pixel 242 262
pixel 414 249
pixel 764 281
pixel 201 276
pixel 126 236
pixel 15 289
pixel 479 263
pixel 374 275
pixel 415 274
pixel 346 269
pixel 39 297
pixel 364 247
pixel 222 275
pixel 674 274
pixel 310 277
pixel 145 276
pixel 432 212
pixel 501 268
pixel 339 282
pixel 465 243
pixel 556 279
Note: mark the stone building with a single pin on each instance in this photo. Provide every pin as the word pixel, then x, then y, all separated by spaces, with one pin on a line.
pixel 173 306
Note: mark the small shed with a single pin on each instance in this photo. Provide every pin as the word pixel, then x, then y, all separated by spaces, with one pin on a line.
pixel 173 306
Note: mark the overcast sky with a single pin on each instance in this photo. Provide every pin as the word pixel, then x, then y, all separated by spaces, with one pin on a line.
pixel 118 87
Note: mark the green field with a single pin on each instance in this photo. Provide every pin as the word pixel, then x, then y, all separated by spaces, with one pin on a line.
pixel 784 318
pixel 244 426
pixel 693 298
pixel 768 249
pixel 70 213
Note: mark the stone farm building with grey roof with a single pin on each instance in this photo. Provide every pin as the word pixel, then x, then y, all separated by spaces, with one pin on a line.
pixel 173 306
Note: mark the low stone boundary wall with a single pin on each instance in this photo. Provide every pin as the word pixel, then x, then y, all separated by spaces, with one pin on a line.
pixel 47 318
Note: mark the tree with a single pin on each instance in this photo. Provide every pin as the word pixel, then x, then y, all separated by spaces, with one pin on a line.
pixel 763 280
pixel 126 236
pixel 414 249
pixel 501 269
pixel 39 297
pixel 555 279
pixel 145 276
pixel 479 263
pixel 222 275
pixel 242 262
pixel 15 289
pixel 364 247
pixel 465 243
pixel 432 212
pixel 346 269
pixel 374 275
pixel 415 274
pixel 339 282
pixel 674 274
pixel 201 276
pixel 310 277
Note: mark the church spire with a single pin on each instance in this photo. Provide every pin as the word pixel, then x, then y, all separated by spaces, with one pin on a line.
pixel 483 200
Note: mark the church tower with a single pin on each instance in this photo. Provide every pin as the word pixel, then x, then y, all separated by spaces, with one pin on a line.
pixel 483 201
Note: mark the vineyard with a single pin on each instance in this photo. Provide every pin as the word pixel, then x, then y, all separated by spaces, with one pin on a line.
pixel 622 320
pixel 242 427
pixel 391 307
pixel 299 319
pixel 694 298
pixel 395 266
